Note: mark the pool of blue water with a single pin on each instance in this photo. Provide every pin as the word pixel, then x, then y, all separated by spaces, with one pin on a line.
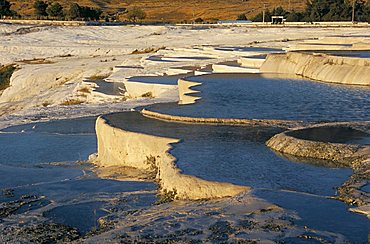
pixel 333 134
pixel 109 88
pixel 250 49
pixel 238 155
pixel 222 153
pixel 164 80
pixel 39 160
pixel 158 58
pixel 354 54
pixel 272 96
pixel 324 214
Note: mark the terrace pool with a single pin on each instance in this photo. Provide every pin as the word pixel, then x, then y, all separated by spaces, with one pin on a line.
pixel 255 96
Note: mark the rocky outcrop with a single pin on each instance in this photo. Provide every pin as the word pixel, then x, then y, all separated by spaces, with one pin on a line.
pixel 340 153
pixel 224 121
pixel 321 67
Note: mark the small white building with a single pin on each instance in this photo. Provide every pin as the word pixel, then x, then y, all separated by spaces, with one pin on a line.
pixel 276 20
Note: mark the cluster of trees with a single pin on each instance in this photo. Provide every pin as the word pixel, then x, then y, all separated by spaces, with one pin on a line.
pixel 46 10
pixel 75 12
pixel 5 9
pixel 135 14
pixel 323 10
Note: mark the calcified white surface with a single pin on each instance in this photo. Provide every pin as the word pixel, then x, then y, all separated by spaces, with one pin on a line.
pixel 75 53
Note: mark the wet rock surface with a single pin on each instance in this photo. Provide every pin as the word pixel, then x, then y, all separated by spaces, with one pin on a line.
pixel 23 204
pixel 214 221
pixel 40 233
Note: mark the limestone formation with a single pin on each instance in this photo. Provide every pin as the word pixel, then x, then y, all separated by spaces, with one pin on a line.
pixel 117 147
pixel 321 67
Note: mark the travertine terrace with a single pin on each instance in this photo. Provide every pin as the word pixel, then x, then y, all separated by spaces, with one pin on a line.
pixel 125 75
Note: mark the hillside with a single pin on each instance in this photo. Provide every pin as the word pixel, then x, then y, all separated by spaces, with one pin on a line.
pixel 175 10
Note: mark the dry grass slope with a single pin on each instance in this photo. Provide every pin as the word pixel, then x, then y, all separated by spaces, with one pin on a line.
pixel 176 10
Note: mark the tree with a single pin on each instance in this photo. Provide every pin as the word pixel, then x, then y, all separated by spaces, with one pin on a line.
pixel 136 13
pixel 323 10
pixel 74 11
pixel 259 17
pixel 5 8
pixel 294 17
pixel 55 10
pixel 40 8
pixel 242 17
pixel 198 20
pixel 88 13
pixel 81 12
pixel 362 11
pixel 279 11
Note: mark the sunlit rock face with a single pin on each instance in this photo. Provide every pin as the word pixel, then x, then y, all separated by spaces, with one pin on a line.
pixel 119 147
pixel 321 67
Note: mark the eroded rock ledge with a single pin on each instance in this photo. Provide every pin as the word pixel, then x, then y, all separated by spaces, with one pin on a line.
pixel 355 156
pixel 321 67
pixel 224 121
pixel 117 147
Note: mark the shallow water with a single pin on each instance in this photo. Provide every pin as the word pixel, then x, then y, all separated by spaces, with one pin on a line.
pixel 235 154
pixel 270 97
pixel 222 153
pixel 366 188
pixel 333 134
pixel 78 196
pixel 238 155
pixel 250 49
pixel 157 58
pixel 164 80
pixel 109 88
pixel 190 58
pixel 353 54
pixel 324 214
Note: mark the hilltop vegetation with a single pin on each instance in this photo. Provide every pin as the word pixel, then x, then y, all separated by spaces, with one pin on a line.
pixel 168 10
pixel 189 11
pixel 323 10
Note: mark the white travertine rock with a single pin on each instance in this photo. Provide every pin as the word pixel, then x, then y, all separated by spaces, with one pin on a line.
pixel 117 147
pixel 322 67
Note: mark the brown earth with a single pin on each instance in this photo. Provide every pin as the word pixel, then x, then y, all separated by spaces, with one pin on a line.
pixel 174 10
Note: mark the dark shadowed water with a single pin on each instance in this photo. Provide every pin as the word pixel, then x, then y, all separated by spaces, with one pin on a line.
pixel 353 54
pixel 109 88
pixel 333 134
pixel 250 49
pixel 164 80
pixel 256 96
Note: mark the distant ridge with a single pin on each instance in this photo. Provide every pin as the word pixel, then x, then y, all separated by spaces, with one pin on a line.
pixel 175 10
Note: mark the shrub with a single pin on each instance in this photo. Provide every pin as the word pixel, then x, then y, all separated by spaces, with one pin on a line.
pixel 5 8
pixel 40 8
pixel 198 20
pixel 6 73
pixel 242 17
pixel 166 196
pixel 55 10
pixel 81 12
pixel 148 95
pixel 136 14
pixel 72 102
